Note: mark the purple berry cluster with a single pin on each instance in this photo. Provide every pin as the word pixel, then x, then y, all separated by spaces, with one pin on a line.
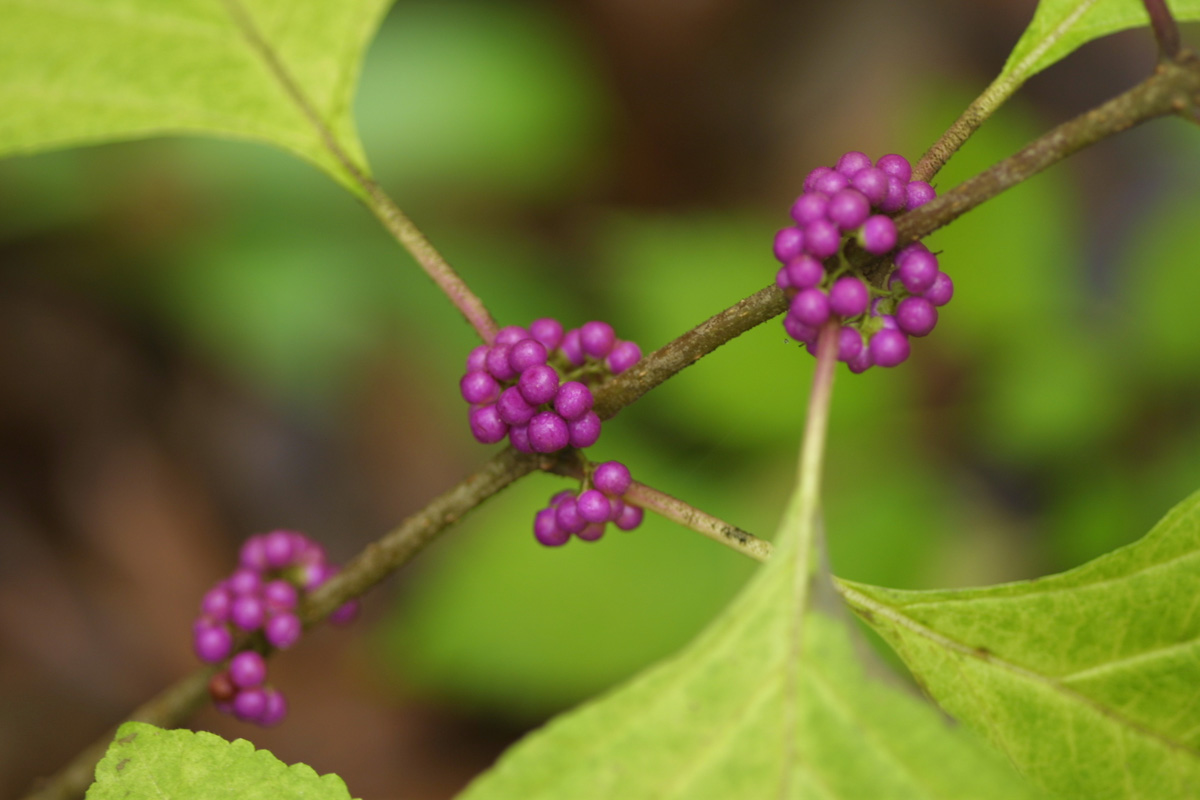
pixel 261 595
pixel 587 513
pixel 857 199
pixel 532 385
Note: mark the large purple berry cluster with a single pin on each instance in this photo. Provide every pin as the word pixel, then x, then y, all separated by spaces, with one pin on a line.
pixel 261 595
pixel 856 200
pixel 532 385
pixel 587 513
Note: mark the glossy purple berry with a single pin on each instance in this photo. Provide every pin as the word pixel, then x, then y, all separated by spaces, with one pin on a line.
pixel 251 555
pixel 546 530
pixel 510 335
pixel 895 165
pixel 216 603
pixel 942 290
pixel 566 516
pixel 781 279
pixel 525 354
pixel 889 348
pixel 573 400
pixel 612 478
pixel 623 356
pixel 872 183
pixel 810 307
pixel 831 182
pixel 878 234
pixel 479 387
pixel 518 437
pixel 513 408
pixel 798 330
pixel 804 271
pixel 538 384
pixel 789 243
pixel 247 612
pixel 916 268
pixel 245 581
pixel 918 193
pixel 279 549
pixel 861 362
pixel 808 207
pixel 597 338
pixel 212 643
pixel 477 360
pixel 279 595
pixel 896 196
pixel 616 506
pixel 849 208
pixel 283 630
pixel 848 297
pixel 849 344
pixel 247 669
pixel 593 506
pixel 585 431
pixel 822 238
pixel 548 331
pixel 853 162
pixel 486 425
pixel 810 181
pixel 630 518
pixel 276 709
pixel 591 532
pixel 916 316
pixel 497 362
pixel 249 704
pixel 572 347
pixel 548 432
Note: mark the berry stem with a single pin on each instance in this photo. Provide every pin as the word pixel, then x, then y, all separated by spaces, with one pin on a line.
pixel 1166 31
pixel 691 517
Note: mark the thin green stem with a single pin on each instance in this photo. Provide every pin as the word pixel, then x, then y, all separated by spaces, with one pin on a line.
pixel 691 517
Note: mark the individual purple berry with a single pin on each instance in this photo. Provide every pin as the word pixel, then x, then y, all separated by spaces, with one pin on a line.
pixel 878 234
pixel 895 165
pixel 572 347
pixel 279 549
pixel 849 208
pixel 573 400
pixel 479 387
pixel 566 516
pixel 212 643
pixel 279 595
pixel 525 354
pixel 276 709
pixel 810 307
pixel 804 271
pixel 612 478
pixel 591 532
pixel 849 344
pixel 623 356
pixel 346 613
pixel 896 196
pixel 251 555
pixel 518 437
pixel 561 497
pixel 810 181
pixel 872 183
pixel 477 360
pixel 247 669
pixel 247 612
pixel 510 335
pixel 546 530
pixel 831 182
pixel 486 424
pixel 798 330
pixel 593 506
pixel 283 630
pixel 616 506
pixel 781 279
pixel 585 431
pixel 853 162
pixel 916 316
pixel 548 331
pixel 307 551
pixel 548 432
pixel 497 362
pixel 245 581
pixel 538 384
pixel 916 268
pixel 789 243
pixel 848 297
pixel 630 518
pixel 808 207
pixel 861 362
pixel 889 348
pixel 597 338
pixel 918 193
pixel 942 290
pixel 249 704
pixel 822 238
pixel 216 603
pixel 315 575
pixel 513 408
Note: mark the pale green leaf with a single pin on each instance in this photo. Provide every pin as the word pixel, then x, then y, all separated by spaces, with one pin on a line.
pixel 145 761
pixel 770 701
pixel 1087 680
pixel 281 71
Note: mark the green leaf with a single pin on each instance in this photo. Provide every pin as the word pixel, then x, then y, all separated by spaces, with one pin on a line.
pixel 770 701
pixel 279 71
pixel 1087 679
pixel 145 761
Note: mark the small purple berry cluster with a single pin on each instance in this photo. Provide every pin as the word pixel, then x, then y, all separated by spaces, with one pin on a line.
pixel 857 199
pixel 261 595
pixel 516 389
pixel 587 513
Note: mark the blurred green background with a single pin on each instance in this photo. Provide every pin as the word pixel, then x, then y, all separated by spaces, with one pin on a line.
pixel 200 340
